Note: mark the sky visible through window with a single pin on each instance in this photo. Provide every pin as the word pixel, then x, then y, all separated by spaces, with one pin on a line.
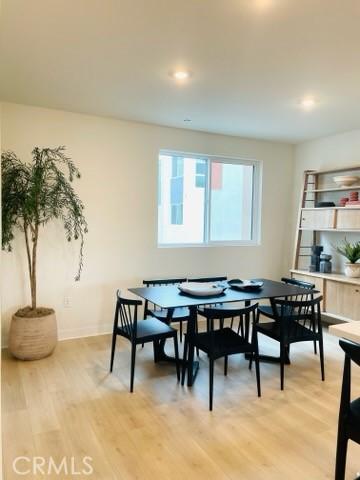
pixel 204 200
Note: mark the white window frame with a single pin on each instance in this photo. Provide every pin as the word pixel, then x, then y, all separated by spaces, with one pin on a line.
pixel 256 203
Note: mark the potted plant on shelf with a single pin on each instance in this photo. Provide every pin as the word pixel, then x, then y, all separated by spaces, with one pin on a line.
pixel 33 194
pixel 351 251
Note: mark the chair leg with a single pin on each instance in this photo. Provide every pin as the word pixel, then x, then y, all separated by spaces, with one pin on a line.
pixel 197 331
pixel 282 365
pixel 225 365
pixel 181 331
pixel 176 349
pixel 132 372
pixel 241 325
pixel 255 340
pixel 211 383
pixel 185 361
pixel 251 356
pixel 257 371
pixel 322 365
pixel 113 345
pixel 287 354
pixel 155 348
pixel 314 330
pixel 247 326
pixel 341 451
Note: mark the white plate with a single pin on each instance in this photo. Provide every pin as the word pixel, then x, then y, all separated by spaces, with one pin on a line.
pixel 201 289
pixel 247 285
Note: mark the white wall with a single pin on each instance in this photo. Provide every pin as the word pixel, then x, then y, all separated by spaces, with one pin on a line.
pixel 337 151
pixel 118 162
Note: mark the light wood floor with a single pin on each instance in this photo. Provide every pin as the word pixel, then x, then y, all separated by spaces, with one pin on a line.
pixel 69 405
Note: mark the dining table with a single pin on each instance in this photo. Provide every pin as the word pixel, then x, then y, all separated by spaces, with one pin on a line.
pixel 170 297
pixel 348 330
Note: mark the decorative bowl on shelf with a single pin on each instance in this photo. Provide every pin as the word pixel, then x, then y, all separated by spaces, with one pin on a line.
pixel 324 204
pixel 345 180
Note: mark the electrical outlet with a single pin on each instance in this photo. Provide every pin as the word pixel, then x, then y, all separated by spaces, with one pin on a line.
pixel 67 302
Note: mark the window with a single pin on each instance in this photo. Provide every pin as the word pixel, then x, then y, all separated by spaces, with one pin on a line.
pixel 177 190
pixel 201 171
pixel 207 200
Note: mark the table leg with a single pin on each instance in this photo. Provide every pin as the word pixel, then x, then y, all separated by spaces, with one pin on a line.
pixel 161 356
pixel 193 367
pixel 159 353
pixel 247 321
pixel 159 346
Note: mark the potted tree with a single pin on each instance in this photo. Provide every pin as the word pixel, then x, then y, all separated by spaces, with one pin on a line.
pixel 351 251
pixel 33 194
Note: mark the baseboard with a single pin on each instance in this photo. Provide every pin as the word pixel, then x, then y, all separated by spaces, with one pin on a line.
pixel 88 331
pixel 81 332
pixel 92 331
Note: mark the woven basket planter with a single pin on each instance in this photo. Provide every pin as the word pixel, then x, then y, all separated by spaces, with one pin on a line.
pixel 32 338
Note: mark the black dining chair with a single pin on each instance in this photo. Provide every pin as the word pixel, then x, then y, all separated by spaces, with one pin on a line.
pixel 294 321
pixel 349 413
pixel 217 279
pixel 180 314
pixel 223 342
pixel 267 310
pixel 208 279
pixel 127 325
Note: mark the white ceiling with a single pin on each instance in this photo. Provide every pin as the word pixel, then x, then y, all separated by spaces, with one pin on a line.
pixel 251 60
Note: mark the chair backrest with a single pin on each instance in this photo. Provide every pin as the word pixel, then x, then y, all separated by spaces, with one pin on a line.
pixel 207 279
pixel 163 282
pixel 214 313
pixel 126 315
pixel 301 284
pixel 159 283
pixel 298 283
pixel 294 315
pixel 352 353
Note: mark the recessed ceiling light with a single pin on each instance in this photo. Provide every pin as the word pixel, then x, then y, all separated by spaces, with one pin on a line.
pixel 263 4
pixel 181 75
pixel 308 103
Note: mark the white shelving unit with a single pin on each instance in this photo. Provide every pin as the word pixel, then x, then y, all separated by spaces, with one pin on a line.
pixel 341 294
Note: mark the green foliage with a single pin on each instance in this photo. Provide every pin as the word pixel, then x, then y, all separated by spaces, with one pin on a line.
pixel 351 251
pixel 37 192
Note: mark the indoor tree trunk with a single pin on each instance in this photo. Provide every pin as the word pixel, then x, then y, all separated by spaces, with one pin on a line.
pixel 33 269
pixel 31 257
pixel 33 290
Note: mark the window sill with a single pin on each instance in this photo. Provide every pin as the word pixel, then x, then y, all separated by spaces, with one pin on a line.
pixel 249 243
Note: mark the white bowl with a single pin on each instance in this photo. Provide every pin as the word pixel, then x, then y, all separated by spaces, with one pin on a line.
pixel 201 289
pixel 345 180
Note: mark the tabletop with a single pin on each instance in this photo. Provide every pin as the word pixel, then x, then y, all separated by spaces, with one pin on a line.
pixel 349 330
pixel 170 296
